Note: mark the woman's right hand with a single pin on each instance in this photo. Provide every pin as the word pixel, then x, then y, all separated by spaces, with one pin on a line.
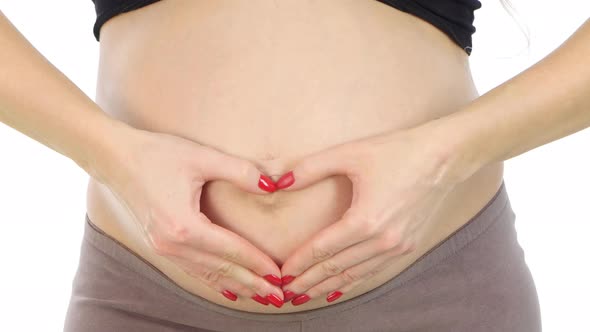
pixel 159 178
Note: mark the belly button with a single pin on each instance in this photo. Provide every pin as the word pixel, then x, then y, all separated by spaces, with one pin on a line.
pixel 269 203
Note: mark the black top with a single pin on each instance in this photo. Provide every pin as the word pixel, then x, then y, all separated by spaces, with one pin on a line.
pixel 453 17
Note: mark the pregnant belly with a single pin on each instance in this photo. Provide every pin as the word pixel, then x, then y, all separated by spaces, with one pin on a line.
pixel 272 82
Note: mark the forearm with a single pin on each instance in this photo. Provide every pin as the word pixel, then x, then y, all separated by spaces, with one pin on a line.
pixel 39 101
pixel 548 101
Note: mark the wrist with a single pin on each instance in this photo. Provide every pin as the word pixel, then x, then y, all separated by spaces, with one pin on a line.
pixel 452 144
pixel 110 148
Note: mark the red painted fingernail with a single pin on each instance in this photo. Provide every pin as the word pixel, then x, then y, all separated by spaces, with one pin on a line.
pixel 288 295
pixel 260 299
pixel 287 279
pixel 333 296
pixel 285 180
pixel 265 183
pixel 273 279
pixel 229 295
pixel 275 300
pixel 300 299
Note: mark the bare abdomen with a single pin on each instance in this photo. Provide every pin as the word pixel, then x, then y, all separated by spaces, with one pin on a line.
pixel 272 82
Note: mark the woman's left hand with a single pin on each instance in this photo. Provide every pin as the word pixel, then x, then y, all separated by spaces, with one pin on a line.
pixel 398 181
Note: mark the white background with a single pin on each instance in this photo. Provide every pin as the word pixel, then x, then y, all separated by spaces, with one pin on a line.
pixel 42 193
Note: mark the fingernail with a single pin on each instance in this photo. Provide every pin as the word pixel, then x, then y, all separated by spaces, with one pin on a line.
pixel 275 300
pixel 285 181
pixel 287 279
pixel 300 299
pixel 288 295
pixel 273 279
pixel 333 296
pixel 229 295
pixel 260 299
pixel 265 183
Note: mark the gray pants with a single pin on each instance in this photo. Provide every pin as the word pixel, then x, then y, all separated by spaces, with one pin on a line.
pixel 475 280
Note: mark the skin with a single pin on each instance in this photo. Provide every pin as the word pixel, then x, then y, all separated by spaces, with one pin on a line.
pixel 167 225
pixel 172 223
pixel 548 101
pixel 455 144
pixel 269 91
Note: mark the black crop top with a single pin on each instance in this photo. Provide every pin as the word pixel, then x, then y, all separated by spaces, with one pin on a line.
pixel 453 17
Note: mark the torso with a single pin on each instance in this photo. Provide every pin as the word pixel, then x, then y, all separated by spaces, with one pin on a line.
pixel 272 81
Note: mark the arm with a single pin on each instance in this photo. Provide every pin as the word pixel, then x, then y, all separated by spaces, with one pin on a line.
pixel 401 178
pixel 41 102
pixel 162 175
pixel 548 101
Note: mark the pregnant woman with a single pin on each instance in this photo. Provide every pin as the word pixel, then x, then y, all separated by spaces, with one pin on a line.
pixel 295 165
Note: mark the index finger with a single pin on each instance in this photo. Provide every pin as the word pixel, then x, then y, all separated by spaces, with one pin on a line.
pixel 229 245
pixel 325 244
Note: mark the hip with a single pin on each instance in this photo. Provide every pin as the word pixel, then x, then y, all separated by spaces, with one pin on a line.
pixel 475 279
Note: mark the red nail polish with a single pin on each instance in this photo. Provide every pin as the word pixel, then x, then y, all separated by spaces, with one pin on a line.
pixel 265 183
pixel 260 299
pixel 333 296
pixel 285 181
pixel 288 295
pixel 229 295
pixel 300 299
pixel 287 279
pixel 273 279
pixel 275 300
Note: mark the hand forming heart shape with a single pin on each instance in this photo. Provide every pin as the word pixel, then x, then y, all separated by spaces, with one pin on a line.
pixel 399 181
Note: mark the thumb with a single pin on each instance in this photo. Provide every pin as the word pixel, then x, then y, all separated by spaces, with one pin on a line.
pixel 317 166
pixel 216 165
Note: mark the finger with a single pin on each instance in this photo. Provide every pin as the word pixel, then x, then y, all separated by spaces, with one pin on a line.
pixel 325 244
pixel 339 159
pixel 228 245
pixel 216 165
pixel 352 277
pixel 221 275
pixel 203 234
pixel 340 262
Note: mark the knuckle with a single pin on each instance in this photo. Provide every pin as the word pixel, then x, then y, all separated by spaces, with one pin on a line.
pixel 367 225
pixel 350 276
pixel 320 254
pixel 231 255
pixel 194 272
pixel 390 239
pixel 243 290
pixel 178 233
pixel 214 275
pixel 167 227
pixel 374 271
pixel 330 268
pixel 384 244
pixel 210 276
pixel 263 287
pixel 408 247
pixel 225 269
pixel 383 266
pixel 258 286
pixel 302 286
pixel 160 245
